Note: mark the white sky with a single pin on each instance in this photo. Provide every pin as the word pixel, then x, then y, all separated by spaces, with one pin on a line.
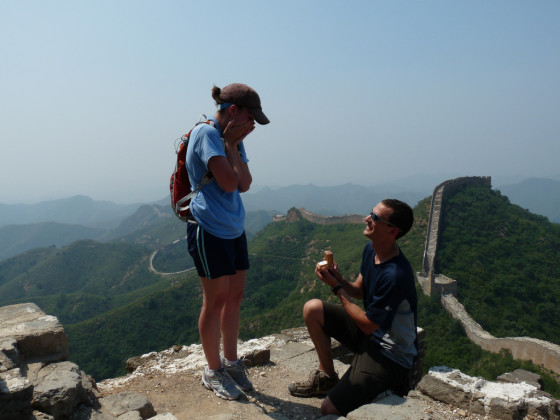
pixel 93 93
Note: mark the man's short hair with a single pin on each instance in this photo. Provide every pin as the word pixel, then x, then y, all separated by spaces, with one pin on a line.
pixel 402 216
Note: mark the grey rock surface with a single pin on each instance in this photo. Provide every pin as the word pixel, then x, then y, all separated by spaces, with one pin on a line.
pixel 119 404
pixel 38 336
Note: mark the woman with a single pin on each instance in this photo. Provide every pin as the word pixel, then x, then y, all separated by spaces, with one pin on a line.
pixel 216 236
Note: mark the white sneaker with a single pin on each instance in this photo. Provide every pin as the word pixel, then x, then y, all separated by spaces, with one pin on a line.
pixel 238 373
pixel 221 383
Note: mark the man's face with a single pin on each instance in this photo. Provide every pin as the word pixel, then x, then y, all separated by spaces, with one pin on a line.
pixel 379 228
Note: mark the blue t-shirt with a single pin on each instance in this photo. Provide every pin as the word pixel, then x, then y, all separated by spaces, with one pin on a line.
pixel 390 302
pixel 219 212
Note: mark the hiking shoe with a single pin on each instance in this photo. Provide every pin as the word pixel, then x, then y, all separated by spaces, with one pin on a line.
pixel 238 373
pixel 318 385
pixel 221 383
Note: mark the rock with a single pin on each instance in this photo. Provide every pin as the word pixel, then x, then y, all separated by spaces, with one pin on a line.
pixel 9 354
pixel 37 415
pixel 164 416
pixel 38 336
pixel 118 404
pixel 16 393
pixel 131 415
pixel 476 395
pixel 58 389
pixel 521 375
pixel 257 357
pixel 89 413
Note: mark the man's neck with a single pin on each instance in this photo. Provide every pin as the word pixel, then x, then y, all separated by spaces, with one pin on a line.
pixel 385 252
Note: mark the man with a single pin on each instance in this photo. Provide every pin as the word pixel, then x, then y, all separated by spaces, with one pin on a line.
pixel 383 336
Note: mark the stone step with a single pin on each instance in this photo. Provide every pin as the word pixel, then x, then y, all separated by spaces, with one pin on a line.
pixel 39 337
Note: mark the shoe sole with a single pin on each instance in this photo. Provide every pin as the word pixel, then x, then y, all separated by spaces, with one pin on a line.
pixel 307 395
pixel 209 387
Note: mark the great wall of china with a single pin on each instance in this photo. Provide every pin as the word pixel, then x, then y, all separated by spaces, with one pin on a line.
pixel 524 348
pixel 436 284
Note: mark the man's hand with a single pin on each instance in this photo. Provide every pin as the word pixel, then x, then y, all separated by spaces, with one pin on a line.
pixel 234 134
pixel 326 276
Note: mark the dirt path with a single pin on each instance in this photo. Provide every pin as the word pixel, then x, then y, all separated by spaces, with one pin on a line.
pixel 182 395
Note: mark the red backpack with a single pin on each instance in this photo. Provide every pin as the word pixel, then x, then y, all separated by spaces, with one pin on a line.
pixel 180 185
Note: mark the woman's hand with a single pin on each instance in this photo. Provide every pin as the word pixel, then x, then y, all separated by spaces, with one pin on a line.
pixel 234 134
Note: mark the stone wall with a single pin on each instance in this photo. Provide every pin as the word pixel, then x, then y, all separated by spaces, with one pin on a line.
pixel 441 191
pixel 38 382
pixel 301 213
pixel 525 348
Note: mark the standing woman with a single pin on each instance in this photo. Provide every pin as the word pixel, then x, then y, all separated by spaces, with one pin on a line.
pixel 216 236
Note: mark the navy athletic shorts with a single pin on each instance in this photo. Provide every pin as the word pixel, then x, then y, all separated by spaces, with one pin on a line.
pixel 370 373
pixel 216 257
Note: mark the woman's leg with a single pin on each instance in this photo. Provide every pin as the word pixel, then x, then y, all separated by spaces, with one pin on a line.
pixel 215 295
pixel 231 314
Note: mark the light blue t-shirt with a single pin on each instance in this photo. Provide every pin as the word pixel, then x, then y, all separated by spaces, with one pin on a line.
pixel 218 212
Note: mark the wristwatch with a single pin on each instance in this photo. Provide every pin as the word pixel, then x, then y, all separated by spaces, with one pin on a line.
pixel 336 288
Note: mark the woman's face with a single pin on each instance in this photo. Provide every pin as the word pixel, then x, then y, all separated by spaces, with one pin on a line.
pixel 242 116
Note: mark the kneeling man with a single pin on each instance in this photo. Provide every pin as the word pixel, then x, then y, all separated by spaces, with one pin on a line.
pixel 383 336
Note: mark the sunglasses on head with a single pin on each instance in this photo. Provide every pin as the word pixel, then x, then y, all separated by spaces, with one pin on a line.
pixel 376 218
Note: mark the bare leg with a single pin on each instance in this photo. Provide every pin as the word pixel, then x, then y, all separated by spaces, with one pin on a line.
pixel 231 314
pixel 314 319
pixel 327 407
pixel 215 292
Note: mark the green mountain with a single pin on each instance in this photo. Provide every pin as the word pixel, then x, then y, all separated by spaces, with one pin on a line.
pixel 79 281
pixel 15 239
pixel 505 261
pixel 114 308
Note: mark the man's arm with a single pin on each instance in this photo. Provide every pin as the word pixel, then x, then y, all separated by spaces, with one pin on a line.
pixel 349 290
pixel 357 314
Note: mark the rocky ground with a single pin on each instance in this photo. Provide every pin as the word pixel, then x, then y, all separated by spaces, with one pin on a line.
pixel 171 381
pixel 183 395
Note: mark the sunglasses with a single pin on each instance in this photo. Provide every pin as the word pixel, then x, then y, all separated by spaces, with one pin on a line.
pixel 376 218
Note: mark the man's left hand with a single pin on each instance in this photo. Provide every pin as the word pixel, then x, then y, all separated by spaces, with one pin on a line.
pixel 326 277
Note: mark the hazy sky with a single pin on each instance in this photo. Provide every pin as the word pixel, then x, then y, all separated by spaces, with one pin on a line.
pixel 94 93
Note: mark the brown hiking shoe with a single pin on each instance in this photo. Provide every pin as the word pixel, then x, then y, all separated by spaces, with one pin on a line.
pixel 318 385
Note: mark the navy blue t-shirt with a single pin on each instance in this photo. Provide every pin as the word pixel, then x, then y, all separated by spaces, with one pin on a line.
pixel 390 302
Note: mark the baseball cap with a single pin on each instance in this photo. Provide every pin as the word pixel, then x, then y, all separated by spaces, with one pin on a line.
pixel 243 95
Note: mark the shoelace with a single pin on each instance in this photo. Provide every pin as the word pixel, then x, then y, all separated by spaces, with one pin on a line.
pixel 226 381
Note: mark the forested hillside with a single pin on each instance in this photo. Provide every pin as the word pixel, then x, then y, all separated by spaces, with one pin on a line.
pixel 80 281
pixel 114 308
pixel 506 262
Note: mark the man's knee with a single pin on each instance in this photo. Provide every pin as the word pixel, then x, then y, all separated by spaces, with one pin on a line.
pixel 327 407
pixel 313 311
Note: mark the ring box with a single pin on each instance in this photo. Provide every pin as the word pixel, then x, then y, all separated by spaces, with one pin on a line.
pixel 327 260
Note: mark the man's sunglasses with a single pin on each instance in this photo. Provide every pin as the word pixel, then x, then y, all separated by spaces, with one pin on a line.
pixel 376 218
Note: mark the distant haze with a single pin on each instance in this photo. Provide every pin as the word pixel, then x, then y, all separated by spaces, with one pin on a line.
pixel 94 93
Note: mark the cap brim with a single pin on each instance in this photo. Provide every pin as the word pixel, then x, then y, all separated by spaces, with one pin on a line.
pixel 260 117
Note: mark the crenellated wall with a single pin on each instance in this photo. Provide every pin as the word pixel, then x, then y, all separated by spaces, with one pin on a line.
pixel 430 249
pixel 301 213
pixel 525 348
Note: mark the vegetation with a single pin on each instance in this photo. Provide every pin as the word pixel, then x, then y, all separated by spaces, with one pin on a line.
pixel 113 307
pixel 80 281
pixel 505 261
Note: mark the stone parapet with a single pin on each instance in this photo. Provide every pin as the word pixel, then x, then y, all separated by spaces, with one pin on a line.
pixel 39 337
pixel 523 348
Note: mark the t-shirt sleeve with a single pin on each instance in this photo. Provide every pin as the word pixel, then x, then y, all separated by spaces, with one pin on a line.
pixel 209 144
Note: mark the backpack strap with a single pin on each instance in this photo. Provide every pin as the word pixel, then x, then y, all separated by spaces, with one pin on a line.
pixel 207 178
